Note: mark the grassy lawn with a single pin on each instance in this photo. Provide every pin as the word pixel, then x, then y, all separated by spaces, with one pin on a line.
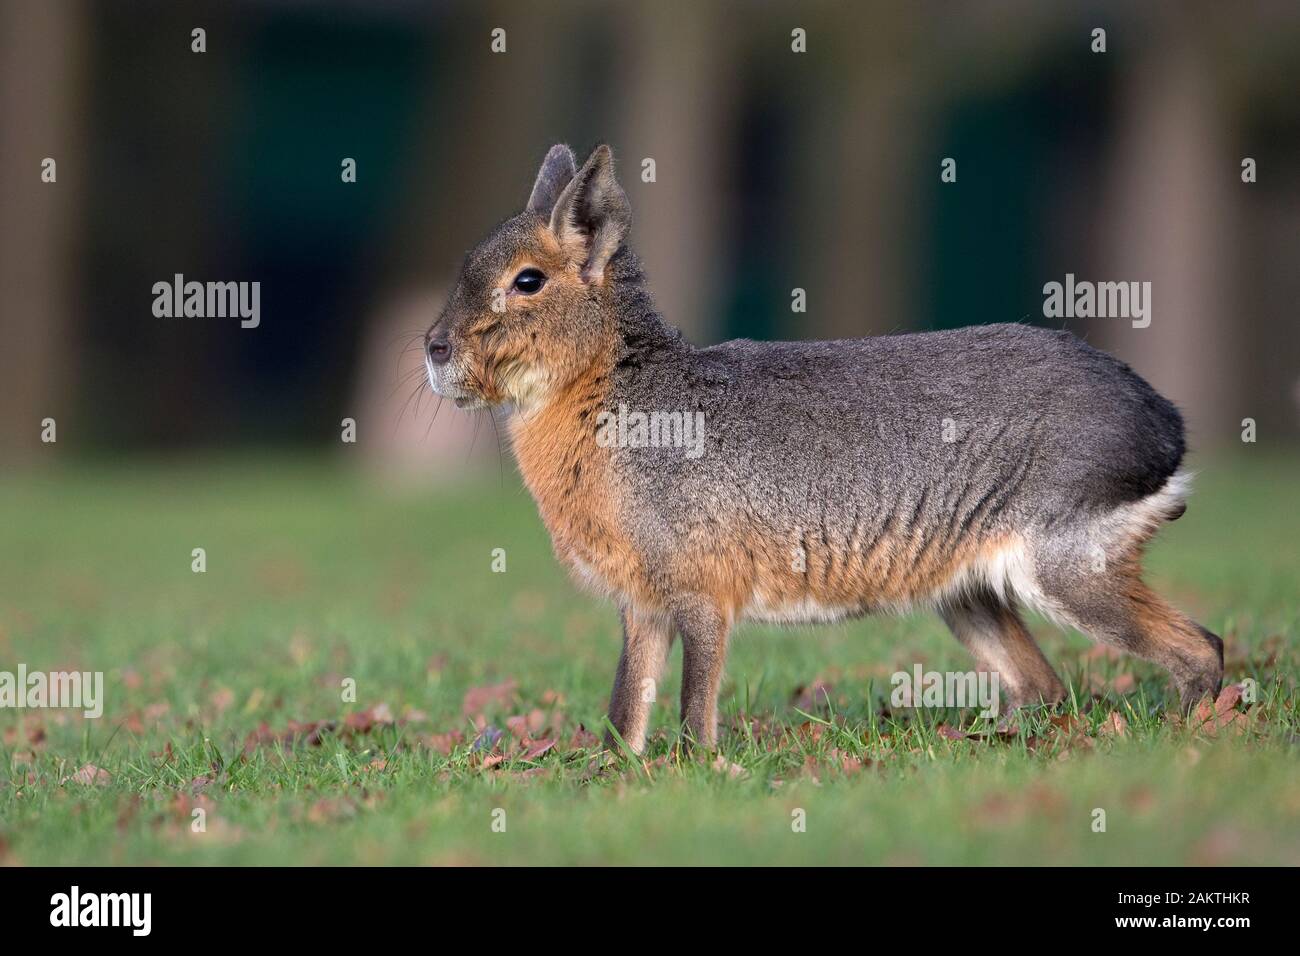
pixel 479 692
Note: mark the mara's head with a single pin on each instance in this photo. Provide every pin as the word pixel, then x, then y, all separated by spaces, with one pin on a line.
pixel 529 310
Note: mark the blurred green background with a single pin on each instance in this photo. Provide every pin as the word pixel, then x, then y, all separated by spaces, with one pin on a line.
pixel 775 170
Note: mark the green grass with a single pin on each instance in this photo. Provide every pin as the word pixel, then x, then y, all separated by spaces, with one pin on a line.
pixel 314 576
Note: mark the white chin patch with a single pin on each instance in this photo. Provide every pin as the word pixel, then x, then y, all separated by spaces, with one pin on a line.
pixel 433 376
pixel 453 392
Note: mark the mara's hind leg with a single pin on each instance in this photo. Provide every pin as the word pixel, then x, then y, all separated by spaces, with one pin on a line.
pixel 994 633
pixel 1115 607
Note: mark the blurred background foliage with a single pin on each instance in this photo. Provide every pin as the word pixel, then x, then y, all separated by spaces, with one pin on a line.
pixel 775 170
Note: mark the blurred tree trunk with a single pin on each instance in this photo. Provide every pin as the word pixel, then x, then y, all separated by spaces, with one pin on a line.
pixel 677 76
pixel 852 201
pixel 1168 219
pixel 475 100
pixel 41 61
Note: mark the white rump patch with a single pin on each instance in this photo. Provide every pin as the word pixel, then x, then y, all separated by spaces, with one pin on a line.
pixel 1143 517
pixel 1009 571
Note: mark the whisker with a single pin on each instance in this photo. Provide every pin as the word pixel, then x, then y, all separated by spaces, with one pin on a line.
pixel 413 347
pixel 406 335
pixel 404 379
pixel 501 468
pixel 419 386
pixel 436 408
pixel 478 420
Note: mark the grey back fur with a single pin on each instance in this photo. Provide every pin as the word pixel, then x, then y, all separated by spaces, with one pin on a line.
pixel 945 433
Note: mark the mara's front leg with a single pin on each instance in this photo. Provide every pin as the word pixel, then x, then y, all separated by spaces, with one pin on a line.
pixel 704 629
pixel 646 638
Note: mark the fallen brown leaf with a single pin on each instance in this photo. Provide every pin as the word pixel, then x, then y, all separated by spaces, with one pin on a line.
pixel 330 810
pixel 1123 683
pixel 1065 723
pixel 478 699
pixel 815 695
pixel 538 748
pixel 733 770
pixel 1229 697
pixel 527 725
pixel 810 730
pixel 1114 725
pixel 89 775
pixel 583 739
pixel 1140 799
pixel 221 699
pixel 444 743
pixel 849 764
pixel 366 720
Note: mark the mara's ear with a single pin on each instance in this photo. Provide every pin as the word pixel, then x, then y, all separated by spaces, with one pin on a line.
pixel 556 172
pixel 593 210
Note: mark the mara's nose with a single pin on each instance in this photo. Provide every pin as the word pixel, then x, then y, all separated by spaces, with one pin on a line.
pixel 439 350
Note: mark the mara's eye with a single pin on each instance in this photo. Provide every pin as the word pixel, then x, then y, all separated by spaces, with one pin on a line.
pixel 530 281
